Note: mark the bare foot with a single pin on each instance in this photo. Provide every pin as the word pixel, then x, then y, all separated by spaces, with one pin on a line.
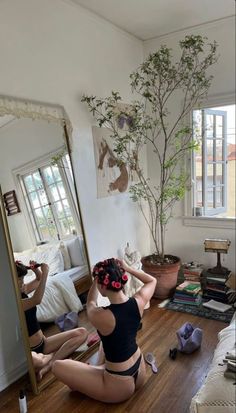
pixel 43 371
pixel 47 358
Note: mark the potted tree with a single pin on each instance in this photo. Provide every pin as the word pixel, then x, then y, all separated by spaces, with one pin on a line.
pixel 147 121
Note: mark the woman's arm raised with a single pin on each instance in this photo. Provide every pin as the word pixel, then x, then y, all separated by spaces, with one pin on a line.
pixel 36 298
pixel 147 290
pixel 100 318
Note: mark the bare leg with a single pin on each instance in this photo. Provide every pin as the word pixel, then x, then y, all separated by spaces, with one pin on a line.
pixel 42 363
pixel 94 381
pixel 101 356
pixel 40 360
pixel 58 347
pixel 44 370
pixel 64 344
pixel 98 358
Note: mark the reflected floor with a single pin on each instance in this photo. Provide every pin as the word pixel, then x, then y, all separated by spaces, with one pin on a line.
pixel 50 329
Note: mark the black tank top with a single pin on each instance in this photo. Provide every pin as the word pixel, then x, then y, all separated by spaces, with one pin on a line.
pixel 31 319
pixel 121 343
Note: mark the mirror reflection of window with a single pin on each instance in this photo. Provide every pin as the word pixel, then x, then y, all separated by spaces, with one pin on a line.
pixel 49 200
pixel 35 163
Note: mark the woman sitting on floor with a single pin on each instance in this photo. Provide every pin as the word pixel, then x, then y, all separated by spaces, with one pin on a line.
pixel 57 346
pixel 117 326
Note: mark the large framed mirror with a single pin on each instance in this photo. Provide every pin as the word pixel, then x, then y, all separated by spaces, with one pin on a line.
pixel 42 221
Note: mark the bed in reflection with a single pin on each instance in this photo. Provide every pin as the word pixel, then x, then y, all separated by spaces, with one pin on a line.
pixel 68 276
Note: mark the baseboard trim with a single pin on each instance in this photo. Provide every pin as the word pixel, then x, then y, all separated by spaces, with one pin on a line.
pixel 9 377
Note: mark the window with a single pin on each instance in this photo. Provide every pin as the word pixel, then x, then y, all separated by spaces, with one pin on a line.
pixel 214 162
pixel 48 199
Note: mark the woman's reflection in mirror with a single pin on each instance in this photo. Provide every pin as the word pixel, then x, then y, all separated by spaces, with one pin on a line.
pixel 44 350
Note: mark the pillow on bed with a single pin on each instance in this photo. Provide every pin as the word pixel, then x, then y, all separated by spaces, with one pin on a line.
pixel 52 256
pixel 65 255
pixel 76 251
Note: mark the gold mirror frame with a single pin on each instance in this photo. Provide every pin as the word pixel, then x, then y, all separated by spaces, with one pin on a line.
pixel 21 108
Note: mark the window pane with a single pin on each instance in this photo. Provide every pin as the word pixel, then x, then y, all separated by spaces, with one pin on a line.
pixel 37 180
pixel 65 226
pixel 43 197
pixel 45 235
pixel 66 206
pixel 53 231
pixel 71 222
pixel 39 216
pixel 219 172
pixel 54 193
pixel 61 189
pixel 29 183
pixel 209 149
pixel 219 196
pixel 209 126
pixel 34 199
pixel 199 198
pixel 219 149
pixel 48 214
pixel 56 173
pixel 48 175
pixel 59 209
pixel 210 197
pixel 219 126
pixel 199 191
pixel 209 174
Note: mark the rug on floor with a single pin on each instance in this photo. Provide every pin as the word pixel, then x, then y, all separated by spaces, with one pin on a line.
pixel 201 311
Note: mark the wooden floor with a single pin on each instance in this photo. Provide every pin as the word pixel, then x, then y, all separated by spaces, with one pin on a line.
pixel 169 391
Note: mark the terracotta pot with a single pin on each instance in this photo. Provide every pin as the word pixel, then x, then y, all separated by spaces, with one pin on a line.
pixel 166 275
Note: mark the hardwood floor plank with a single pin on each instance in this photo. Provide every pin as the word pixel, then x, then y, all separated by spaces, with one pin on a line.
pixel 169 391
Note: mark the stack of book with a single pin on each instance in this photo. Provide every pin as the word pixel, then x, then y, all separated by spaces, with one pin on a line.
pixel 215 305
pixel 215 287
pixel 188 292
pixel 192 272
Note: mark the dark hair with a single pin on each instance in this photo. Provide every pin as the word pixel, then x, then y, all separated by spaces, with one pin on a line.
pixel 111 274
pixel 21 269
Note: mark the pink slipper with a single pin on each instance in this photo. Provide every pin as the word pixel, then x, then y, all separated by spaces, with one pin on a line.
pixel 92 339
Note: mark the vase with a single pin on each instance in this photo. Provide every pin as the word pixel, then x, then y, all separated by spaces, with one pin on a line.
pixel 166 275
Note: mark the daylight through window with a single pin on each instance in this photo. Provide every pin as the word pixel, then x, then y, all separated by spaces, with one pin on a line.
pixel 49 201
pixel 214 162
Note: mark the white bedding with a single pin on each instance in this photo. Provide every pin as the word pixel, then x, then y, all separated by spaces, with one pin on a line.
pixel 59 297
pixel 66 265
pixel 75 273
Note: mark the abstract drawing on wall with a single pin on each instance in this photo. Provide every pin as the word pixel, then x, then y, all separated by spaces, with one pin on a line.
pixel 111 177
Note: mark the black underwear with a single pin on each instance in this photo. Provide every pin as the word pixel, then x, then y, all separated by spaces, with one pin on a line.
pixel 39 348
pixel 132 371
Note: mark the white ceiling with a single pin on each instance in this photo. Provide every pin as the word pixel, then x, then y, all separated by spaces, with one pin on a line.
pixel 146 19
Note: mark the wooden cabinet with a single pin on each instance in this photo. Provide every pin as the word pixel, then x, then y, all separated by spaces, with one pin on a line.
pixel 83 284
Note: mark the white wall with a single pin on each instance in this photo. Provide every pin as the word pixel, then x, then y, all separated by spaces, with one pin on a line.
pixel 23 141
pixel 12 355
pixel 53 51
pixel 187 241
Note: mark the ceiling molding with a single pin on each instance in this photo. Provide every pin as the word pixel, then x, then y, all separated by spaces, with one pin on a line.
pixel 196 27
pixel 150 19
pixel 100 19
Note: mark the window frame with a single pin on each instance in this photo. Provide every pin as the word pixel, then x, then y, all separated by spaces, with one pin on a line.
pixel 215 210
pixel 27 168
pixel 205 221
